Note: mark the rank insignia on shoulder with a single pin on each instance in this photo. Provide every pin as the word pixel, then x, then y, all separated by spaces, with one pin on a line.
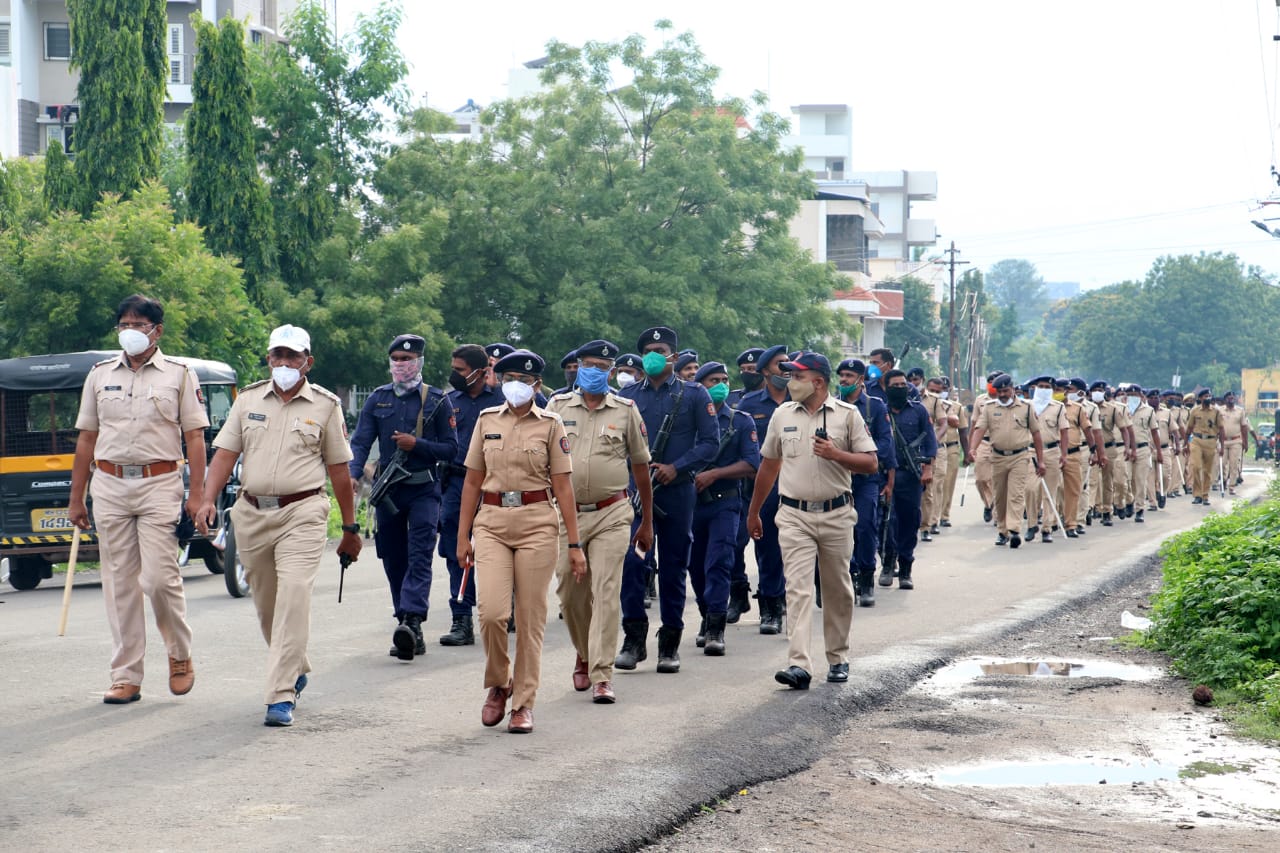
pixel 564 444
pixel 257 416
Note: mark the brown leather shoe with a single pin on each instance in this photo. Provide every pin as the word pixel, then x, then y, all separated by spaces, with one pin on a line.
pixel 521 721
pixel 182 676
pixel 495 706
pixel 602 693
pixel 122 693
pixel 581 681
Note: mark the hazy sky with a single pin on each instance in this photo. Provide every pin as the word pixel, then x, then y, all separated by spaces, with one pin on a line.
pixel 1089 138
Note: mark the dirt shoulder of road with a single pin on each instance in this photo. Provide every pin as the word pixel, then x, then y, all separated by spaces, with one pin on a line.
pixel 1158 772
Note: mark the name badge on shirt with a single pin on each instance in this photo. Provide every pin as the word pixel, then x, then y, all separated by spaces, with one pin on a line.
pixel 493 435
pixel 570 423
pixel 791 429
pixel 254 416
pixel 113 388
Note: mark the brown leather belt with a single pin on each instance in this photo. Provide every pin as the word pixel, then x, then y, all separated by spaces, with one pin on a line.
pixel 514 498
pixel 279 501
pixel 609 501
pixel 135 472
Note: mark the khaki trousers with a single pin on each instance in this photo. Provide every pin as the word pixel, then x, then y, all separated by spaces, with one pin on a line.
pixel 931 507
pixel 1090 488
pixel 1119 468
pixel 1011 476
pixel 982 473
pixel 1232 459
pixel 1204 465
pixel 515 551
pixel 1139 473
pixel 592 607
pixel 1073 478
pixel 826 537
pixel 139 556
pixel 1037 505
pixel 954 457
pixel 281 551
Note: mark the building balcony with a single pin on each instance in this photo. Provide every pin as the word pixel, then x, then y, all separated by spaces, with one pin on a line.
pixel 922 232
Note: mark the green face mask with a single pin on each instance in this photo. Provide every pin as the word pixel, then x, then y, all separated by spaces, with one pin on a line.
pixel 719 392
pixel 846 391
pixel 654 363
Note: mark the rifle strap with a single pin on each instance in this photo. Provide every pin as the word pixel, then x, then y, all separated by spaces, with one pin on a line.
pixel 422 391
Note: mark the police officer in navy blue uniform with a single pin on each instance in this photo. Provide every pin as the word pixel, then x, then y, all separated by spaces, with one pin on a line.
pixel 715 518
pixel 760 405
pixel 470 396
pixel 408 518
pixel 693 441
pixel 686 366
pixel 627 370
pixel 867 488
pixel 914 441
pixel 569 366
pixel 739 585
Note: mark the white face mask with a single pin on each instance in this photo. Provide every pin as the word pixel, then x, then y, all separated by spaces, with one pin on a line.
pixel 1005 403
pixel 285 377
pixel 1041 398
pixel 944 394
pixel 1098 396
pixel 1074 396
pixel 517 393
pixel 625 379
pixel 134 342
pixel 1133 403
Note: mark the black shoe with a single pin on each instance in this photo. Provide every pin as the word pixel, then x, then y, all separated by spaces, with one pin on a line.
pixel 669 649
pixel 934 529
pixel 770 615
pixel 461 634
pixel 404 640
pixel 794 677
pixel 700 639
pixel 1197 500
pixel 1032 531
pixel 1088 517
pixel 633 650
pixel 511 624
pixel 1080 531
pixel 715 635
pixel 1137 517
pixel 419 643
pixel 904 574
pixel 866 587
pixel 886 575
pixel 1002 540
pixel 1128 510
pixel 1106 519
pixel 1044 537
pixel 945 523
pixel 986 514
pixel 1205 502
pixel 838 673
pixel 1014 540
pixel 739 601
pixel 1160 501
pixel 925 536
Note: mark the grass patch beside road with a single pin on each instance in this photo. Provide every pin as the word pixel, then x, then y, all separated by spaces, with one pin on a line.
pixel 1218 612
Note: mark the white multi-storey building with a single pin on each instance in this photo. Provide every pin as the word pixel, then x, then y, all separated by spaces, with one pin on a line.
pixel 35 58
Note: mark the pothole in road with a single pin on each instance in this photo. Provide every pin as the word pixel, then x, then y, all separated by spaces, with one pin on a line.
pixel 964 671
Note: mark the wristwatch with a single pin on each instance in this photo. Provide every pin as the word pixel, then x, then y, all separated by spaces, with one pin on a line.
pixel 351 528
pixel 577 545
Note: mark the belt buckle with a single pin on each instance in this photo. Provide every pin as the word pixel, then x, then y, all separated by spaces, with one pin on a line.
pixel 587 507
pixel 511 498
pixel 811 506
pixel 268 501
pixel 133 472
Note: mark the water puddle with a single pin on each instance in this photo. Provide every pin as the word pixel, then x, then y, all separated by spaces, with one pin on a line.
pixel 1031 774
pixel 964 671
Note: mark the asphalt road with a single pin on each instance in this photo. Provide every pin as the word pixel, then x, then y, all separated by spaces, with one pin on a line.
pixel 387 755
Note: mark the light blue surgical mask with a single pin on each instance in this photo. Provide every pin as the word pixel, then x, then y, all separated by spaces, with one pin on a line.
pixel 593 380
pixel 873 373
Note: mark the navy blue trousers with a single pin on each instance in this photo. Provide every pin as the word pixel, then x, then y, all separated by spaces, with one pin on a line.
pixel 406 542
pixel 715 536
pixel 674 535
pixel 739 572
pixel 907 496
pixel 449 549
pixel 866 501
pixel 769 553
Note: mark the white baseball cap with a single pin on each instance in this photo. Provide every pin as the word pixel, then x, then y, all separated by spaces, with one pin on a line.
pixel 290 337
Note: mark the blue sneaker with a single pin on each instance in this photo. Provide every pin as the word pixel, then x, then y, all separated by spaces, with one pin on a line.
pixel 279 714
pixel 299 686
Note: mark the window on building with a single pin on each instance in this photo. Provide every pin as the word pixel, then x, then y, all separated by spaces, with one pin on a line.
pixel 177 59
pixel 4 43
pixel 846 245
pixel 255 36
pixel 1268 400
pixel 60 133
pixel 57 41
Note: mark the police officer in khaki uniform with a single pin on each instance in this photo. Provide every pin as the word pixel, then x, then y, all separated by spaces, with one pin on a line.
pixel 981 453
pixel 135 411
pixel 1235 429
pixel 1158 479
pixel 814 443
pixel 518 460
pixel 1054 435
pixel 1014 429
pixel 291 434
pixel 608 443
pixel 1205 436
pixel 1115 422
pixel 955 446
pixel 1092 476
pixel 1146 435
pixel 942 419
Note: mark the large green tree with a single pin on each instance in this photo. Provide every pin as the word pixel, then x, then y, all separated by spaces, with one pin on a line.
pixel 919 328
pixel 227 196
pixel 623 196
pixel 59 179
pixel 1018 285
pixel 119 48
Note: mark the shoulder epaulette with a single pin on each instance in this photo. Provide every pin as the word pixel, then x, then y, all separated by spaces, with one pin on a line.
pixel 626 401
pixel 325 392
pixel 492 409
pixel 563 396
pixel 106 361
pixel 255 384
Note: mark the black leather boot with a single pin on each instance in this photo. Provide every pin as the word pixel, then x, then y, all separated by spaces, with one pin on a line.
pixel 886 575
pixel 461 634
pixel 715 635
pixel 904 574
pixel 633 643
pixel 395 651
pixel 419 643
pixel 669 649
pixel 701 639
pixel 739 601
pixel 404 638
pixel 770 615
pixel 867 587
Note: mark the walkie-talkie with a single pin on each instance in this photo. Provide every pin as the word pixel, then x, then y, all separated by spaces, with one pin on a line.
pixel 822 431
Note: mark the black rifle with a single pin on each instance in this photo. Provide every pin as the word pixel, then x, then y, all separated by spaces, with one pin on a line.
pixel 726 438
pixel 659 448
pixel 888 548
pixel 395 471
pixel 906 451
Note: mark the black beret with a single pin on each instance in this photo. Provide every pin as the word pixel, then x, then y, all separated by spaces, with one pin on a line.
pixel 1062 382
pixel 708 369
pixel 598 349
pixel 1039 379
pixel 692 352
pixel 853 364
pixel 684 361
pixel 915 371
pixel 1172 392
pixel 1078 383
pixel 658 335
pixel 520 361
pixel 1004 380
pixel 1098 383
pixel 408 343
pixel 771 353
pixel 498 350
pixel 570 357
pixel 993 374
pixel 629 359
pixel 750 356
pixel 1203 392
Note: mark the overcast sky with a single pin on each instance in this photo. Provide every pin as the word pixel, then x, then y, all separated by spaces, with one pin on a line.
pixel 1089 138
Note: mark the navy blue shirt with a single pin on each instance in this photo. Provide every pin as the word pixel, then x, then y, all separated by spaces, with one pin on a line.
pixel 912 422
pixel 385 413
pixel 876 414
pixel 695 435
pixel 466 409
pixel 760 406
pixel 745 445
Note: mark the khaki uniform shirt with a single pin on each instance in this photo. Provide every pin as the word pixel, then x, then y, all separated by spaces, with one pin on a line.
pixel 519 454
pixel 952 434
pixel 1009 427
pixel 1164 423
pixel 140 415
pixel 1095 414
pixel 1232 421
pixel 1144 419
pixel 1114 418
pixel 804 476
pixel 604 443
pixel 286 446
pixel 1078 423
pixel 1203 423
pixel 1052 421
pixel 937 409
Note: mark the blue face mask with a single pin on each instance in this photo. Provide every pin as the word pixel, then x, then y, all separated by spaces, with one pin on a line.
pixel 873 373
pixel 593 380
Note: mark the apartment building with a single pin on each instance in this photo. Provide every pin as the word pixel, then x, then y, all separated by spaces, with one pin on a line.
pixel 38 85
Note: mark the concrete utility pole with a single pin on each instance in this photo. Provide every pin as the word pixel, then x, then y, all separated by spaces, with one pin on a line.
pixel 951 306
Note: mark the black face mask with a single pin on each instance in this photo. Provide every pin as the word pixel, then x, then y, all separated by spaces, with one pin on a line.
pixel 778 382
pixel 458 381
pixel 897 397
pixel 751 381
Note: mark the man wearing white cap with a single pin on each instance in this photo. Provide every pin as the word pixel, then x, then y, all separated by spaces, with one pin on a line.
pixel 291 433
